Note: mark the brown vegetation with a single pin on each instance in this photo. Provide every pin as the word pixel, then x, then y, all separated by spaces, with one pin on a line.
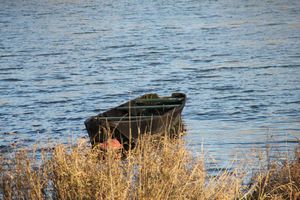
pixel 279 182
pixel 158 168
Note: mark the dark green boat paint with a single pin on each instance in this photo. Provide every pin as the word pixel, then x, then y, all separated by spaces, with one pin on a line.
pixel 149 113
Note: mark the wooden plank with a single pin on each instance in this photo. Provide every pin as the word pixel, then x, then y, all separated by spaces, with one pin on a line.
pixel 127 118
pixel 148 107
pixel 163 100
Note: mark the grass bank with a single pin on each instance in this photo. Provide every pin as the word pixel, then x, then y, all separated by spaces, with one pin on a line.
pixel 158 168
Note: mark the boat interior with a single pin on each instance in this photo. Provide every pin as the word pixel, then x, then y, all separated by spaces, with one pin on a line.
pixel 146 106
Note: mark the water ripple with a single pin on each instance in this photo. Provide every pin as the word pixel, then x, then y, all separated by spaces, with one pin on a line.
pixel 61 62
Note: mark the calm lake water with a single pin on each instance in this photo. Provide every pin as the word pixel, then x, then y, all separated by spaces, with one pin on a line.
pixel 238 62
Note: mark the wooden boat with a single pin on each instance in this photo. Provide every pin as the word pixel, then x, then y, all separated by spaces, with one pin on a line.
pixel 149 113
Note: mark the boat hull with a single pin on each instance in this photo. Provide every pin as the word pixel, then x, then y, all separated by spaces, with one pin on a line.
pixel 156 115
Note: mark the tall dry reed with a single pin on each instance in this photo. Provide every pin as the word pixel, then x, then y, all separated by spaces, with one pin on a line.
pixel 158 168
pixel 281 181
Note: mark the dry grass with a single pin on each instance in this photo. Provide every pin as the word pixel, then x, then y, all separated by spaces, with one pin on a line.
pixel 155 169
pixel 158 168
pixel 281 181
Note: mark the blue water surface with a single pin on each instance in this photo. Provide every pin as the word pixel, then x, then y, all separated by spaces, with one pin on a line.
pixel 238 61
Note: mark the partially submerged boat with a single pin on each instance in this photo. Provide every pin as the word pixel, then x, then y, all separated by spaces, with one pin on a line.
pixel 148 114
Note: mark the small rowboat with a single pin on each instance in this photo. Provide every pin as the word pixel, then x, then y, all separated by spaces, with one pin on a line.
pixel 148 114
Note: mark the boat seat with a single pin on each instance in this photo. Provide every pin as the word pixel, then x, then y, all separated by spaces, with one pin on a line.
pixel 166 100
pixel 148 107
pixel 126 118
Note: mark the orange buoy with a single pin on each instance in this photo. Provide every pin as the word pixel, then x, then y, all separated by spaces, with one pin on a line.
pixel 112 144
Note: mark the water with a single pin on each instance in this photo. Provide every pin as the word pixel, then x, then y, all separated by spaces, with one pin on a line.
pixel 238 62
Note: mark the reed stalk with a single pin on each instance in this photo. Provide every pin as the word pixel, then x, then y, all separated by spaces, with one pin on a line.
pixel 158 168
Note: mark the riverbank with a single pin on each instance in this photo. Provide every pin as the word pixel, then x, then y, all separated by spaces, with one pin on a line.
pixel 158 168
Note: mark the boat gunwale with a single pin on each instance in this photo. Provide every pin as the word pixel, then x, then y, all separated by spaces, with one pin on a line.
pixel 148 107
pixel 126 118
pixel 130 119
